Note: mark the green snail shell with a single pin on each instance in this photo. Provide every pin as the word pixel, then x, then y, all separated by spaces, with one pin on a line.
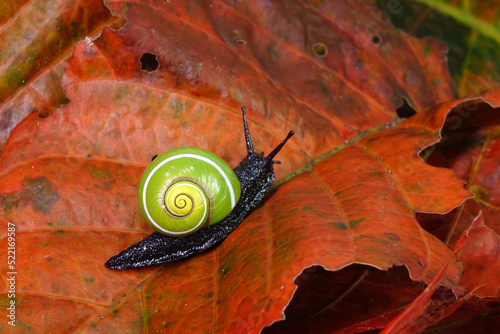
pixel 187 188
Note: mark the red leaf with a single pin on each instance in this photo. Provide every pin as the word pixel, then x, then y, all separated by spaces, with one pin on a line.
pixel 36 37
pixel 69 180
pixel 423 312
pixel 471 148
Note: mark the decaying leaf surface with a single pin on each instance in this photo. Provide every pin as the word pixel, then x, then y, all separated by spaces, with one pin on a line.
pixel 471 149
pixel 480 256
pixel 474 316
pixel 422 311
pixel 478 248
pixel 36 37
pixel 69 180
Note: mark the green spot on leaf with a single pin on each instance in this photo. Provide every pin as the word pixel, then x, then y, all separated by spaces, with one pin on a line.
pixel 427 49
pixel 354 223
pixel 38 192
pixel 99 173
pixel 317 3
pixel 88 280
pixel 341 226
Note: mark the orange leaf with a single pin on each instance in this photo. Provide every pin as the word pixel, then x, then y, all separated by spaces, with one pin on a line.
pixel 68 181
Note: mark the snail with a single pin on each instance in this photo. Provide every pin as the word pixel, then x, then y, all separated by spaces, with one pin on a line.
pixel 220 216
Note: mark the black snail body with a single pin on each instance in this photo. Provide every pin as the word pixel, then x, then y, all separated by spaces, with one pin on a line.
pixel 255 174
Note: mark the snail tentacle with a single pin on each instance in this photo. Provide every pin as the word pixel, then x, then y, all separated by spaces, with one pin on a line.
pixel 248 138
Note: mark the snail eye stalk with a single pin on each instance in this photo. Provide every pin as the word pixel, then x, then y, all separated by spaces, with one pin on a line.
pixel 248 138
pixel 280 146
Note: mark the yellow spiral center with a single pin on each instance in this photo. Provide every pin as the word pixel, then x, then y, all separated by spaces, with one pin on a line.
pixel 185 198
pixel 180 204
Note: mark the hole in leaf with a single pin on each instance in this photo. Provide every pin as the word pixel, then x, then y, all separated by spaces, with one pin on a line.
pixel 320 50
pixel 376 39
pixel 457 146
pixel 405 110
pixel 149 62
pixel 328 300
pixel 241 41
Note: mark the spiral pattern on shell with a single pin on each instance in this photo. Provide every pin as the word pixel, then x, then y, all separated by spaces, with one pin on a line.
pixel 187 188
